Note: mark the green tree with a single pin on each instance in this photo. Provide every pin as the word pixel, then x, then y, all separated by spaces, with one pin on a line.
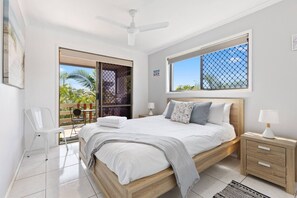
pixel 213 82
pixel 68 94
pixel 188 87
pixel 63 77
pixel 84 78
pixel 88 81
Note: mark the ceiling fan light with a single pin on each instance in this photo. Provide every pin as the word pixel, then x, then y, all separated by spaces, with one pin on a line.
pixel 131 39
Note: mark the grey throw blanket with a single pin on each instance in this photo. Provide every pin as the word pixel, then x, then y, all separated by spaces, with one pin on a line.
pixel 176 154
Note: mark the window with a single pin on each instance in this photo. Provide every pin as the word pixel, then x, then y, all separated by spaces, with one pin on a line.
pixel 186 74
pixel 222 66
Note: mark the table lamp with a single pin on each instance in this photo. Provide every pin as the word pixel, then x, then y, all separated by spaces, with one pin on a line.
pixel 268 117
pixel 151 106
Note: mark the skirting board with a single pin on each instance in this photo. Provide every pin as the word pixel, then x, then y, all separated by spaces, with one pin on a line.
pixel 15 174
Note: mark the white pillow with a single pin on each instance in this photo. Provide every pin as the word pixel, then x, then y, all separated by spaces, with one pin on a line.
pixel 166 109
pixel 227 109
pixel 216 113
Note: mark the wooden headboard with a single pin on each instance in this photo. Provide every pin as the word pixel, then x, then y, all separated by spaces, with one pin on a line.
pixel 236 113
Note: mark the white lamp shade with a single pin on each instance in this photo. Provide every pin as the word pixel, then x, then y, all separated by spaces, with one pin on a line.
pixel 151 105
pixel 268 116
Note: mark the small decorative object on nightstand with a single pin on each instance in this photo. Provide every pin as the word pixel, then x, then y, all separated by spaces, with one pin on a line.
pixel 269 159
pixel 268 117
pixel 151 106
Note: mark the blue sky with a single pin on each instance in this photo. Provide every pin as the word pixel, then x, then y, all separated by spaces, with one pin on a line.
pixel 187 72
pixel 69 69
pixel 226 62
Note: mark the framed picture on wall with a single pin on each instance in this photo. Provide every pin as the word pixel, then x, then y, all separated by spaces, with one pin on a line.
pixel 13 48
pixel 156 72
pixel 294 42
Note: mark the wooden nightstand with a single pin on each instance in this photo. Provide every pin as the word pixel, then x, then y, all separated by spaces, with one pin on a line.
pixel 269 159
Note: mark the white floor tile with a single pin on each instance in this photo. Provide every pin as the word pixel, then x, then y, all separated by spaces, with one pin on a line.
pixel 100 195
pixel 34 157
pixel 28 186
pixel 231 162
pixel 93 183
pixel 226 171
pixel 75 147
pixel 67 174
pixel 63 175
pixel 80 188
pixel 266 188
pixel 193 195
pixel 30 169
pixel 61 162
pixel 37 195
pixel 60 151
pixel 208 186
pixel 88 171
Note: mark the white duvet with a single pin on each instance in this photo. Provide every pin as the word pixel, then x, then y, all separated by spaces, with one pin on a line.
pixel 131 161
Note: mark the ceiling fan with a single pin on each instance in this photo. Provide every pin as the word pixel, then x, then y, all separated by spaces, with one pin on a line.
pixel 132 29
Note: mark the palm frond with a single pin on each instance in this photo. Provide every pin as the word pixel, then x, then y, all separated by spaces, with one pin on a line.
pixel 85 79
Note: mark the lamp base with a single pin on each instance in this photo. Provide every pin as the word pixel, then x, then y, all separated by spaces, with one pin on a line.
pixel 268 133
pixel 151 112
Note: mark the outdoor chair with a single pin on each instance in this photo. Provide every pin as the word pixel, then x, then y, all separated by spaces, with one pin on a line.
pixel 77 118
pixel 43 125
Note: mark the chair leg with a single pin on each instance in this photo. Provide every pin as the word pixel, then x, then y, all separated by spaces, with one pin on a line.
pixel 31 145
pixel 46 146
pixel 65 140
pixel 72 130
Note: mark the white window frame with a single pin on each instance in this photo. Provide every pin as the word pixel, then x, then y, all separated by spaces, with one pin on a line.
pixel 214 93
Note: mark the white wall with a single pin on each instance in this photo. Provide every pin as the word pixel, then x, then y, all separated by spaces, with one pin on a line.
pixel 11 121
pixel 42 67
pixel 274 66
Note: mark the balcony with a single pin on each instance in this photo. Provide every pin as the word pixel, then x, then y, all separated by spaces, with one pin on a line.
pixel 65 119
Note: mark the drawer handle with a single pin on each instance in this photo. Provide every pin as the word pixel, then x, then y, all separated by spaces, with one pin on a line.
pixel 264 148
pixel 264 164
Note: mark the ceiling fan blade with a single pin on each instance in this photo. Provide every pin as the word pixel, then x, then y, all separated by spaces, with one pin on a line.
pixel 131 39
pixel 153 26
pixel 112 22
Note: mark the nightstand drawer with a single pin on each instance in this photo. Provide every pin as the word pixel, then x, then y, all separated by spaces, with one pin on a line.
pixel 266 170
pixel 273 154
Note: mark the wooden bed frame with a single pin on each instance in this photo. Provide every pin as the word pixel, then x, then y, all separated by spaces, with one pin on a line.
pixel 162 182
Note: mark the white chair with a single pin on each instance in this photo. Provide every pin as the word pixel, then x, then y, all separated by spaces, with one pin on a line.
pixel 42 123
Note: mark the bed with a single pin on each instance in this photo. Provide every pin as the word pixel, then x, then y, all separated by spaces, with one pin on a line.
pixel 163 181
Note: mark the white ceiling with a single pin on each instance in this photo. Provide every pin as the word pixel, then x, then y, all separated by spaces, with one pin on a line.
pixel 186 17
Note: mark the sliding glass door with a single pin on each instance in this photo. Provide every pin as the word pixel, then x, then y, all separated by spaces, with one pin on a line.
pixel 114 90
pixel 97 85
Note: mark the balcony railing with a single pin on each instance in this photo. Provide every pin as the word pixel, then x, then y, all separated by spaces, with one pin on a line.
pixel 88 112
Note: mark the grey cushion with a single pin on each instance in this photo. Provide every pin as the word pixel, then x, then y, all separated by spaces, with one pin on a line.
pixel 170 109
pixel 200 113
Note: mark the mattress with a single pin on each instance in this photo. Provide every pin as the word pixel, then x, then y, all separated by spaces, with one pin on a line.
pixel 132 161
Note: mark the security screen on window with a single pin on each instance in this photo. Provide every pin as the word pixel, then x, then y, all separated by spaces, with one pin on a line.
pixel 223 66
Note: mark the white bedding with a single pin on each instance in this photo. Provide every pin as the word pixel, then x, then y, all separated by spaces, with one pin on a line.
pixel 131 161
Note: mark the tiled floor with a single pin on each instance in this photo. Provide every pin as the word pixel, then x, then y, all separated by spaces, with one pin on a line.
pixel 63 176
